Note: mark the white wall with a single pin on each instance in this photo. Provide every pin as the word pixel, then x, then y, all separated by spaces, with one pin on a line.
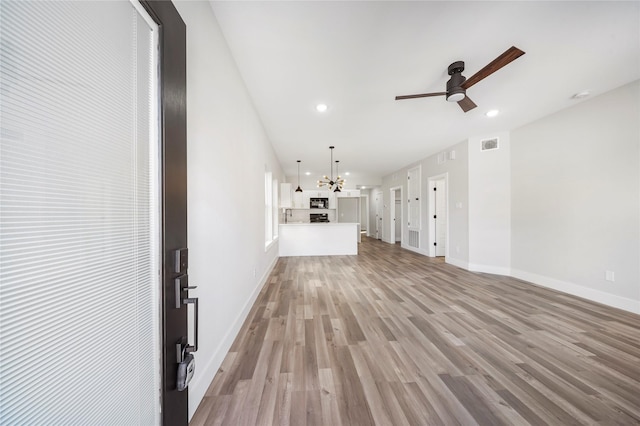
pixel 490 205
pixel 227 153
pixel 576 199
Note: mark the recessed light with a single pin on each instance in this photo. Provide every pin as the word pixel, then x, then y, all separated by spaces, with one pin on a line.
pixel 581 95
pixel 308 173
pixel 321 107
pixel 347 173
pixel 492 113
pixel 363 187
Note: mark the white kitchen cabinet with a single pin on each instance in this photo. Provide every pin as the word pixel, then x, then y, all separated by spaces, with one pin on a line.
pixel 332 199
pixel 348 193
pixel 285 196
pixel 298 201
pixel 303 200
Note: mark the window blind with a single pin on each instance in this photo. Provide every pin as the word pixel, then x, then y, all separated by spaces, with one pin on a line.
pixel 79 232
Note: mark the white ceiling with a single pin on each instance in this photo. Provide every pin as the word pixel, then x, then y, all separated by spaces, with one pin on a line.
pixel 356 56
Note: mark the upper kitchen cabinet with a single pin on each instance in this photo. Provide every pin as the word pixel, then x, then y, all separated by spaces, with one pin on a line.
pixel 285 196
pixel 348 193
pixel 298 201
pixel 308 195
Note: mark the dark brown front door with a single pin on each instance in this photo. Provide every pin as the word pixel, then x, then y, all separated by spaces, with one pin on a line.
pixel 173 98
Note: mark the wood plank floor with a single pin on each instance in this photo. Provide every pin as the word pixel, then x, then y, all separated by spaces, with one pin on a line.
pixel 390 337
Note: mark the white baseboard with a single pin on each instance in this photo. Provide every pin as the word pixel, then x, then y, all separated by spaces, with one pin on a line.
pixel 198 387
pixel 598 296
pixel 489 269
pixel 414 249
pixel 457 262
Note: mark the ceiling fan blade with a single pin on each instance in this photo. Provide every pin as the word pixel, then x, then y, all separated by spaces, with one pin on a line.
pixel 510 55
pixel 423 95
pixel 467 104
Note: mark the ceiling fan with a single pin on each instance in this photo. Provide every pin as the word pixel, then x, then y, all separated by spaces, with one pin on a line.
pixel 458 84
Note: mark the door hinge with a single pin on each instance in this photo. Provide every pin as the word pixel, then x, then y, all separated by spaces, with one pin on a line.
pixel 435 217
pixel 435 244
pixel 435 189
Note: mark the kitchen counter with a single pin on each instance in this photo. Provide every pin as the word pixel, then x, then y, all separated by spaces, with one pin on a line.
pixel 318 239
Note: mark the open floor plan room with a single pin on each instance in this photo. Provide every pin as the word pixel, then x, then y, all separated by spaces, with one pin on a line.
pixel 390 337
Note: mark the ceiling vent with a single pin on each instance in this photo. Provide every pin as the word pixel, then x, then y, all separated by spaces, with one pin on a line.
pixel 489 144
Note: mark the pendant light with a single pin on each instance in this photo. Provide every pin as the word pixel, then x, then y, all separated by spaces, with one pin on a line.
pixel 328 181
pixel 338 179
pixel 298 189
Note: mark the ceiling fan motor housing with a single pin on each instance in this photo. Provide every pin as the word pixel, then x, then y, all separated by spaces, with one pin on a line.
pixel 455 92
pixel 456 68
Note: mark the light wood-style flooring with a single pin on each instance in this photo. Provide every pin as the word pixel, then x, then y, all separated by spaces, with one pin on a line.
pixel 390 337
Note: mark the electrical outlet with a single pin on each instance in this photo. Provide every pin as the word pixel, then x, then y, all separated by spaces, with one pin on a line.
pixel 610 276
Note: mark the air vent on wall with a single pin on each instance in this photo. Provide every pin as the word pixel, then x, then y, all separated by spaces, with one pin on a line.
pixel 489 144
pixel 414 239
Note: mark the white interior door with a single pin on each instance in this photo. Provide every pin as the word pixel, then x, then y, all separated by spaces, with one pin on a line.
pixel 398 221
pixel 378 199
pixel 441 217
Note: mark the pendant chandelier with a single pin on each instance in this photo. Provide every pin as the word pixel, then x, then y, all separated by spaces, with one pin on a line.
pixel 328 181
pixel 298 189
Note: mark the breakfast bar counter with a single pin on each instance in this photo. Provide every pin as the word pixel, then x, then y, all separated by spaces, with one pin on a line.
pixel 318 239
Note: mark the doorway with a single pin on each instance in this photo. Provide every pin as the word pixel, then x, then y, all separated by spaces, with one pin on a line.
pixel 396 215
pixel 364 215
pixel 438 216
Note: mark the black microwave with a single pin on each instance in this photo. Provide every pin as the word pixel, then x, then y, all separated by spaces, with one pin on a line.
pixel 319 203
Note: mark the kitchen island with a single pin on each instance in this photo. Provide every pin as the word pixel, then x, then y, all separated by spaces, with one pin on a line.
pixel 318 239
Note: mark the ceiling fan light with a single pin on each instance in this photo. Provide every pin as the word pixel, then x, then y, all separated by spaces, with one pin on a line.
pixel 456 95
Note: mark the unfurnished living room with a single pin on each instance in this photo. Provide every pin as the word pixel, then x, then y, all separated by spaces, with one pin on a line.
pixel 327 213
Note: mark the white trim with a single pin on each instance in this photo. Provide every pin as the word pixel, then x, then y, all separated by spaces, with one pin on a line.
pixel 201 381
pixel 572 289
pixel 457 262
pixel 489 269
pixel 270 244
pixel 598 296
pixel 414 249
pixel 392 214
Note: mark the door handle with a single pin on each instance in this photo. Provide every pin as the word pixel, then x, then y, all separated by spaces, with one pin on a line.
pixel 181 284
pixel 194 302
